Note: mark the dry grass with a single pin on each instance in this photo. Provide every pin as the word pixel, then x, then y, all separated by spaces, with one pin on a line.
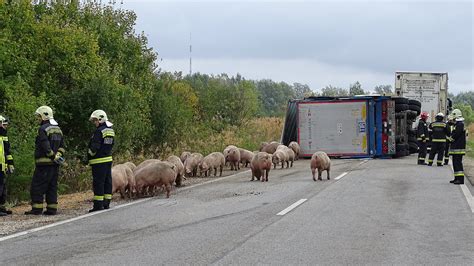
pixel 248 136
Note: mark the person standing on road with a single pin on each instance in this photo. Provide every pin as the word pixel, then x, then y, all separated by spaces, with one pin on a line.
pixel 450 127
pixel 458 147
pixel 49 150
pixel 438 139
pixel 100 159
pixel 6 161
pixel 422 136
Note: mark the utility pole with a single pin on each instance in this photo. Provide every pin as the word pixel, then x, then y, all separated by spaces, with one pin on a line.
pixel 190 55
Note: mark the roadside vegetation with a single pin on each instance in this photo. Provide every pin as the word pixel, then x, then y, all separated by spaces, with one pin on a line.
pixel 78 57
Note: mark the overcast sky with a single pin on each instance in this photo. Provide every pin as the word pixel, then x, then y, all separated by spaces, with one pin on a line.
pixel 317 43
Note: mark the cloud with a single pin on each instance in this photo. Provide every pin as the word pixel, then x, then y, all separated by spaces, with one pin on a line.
pixel 314 42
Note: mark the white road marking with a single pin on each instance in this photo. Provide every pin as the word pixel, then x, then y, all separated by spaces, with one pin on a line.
pixel 469 198
pixel 341 176
pixel 364 161
pixel 22 233
pixel 70 220
pixel 467 193
pixel 292 206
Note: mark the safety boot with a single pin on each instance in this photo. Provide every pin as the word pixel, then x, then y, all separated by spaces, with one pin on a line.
pixel 50 212
pixel 98 206
pixel 34 211
pixel 459 180
pixel 452 181
pixel 106 204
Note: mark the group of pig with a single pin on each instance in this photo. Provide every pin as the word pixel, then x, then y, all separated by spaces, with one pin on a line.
pixel 153 174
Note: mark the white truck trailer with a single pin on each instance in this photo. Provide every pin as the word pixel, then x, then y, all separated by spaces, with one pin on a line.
pixel 431 89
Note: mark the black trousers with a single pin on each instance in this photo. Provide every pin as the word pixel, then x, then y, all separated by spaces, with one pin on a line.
pixel 3 188
pixel 458 167
pixel 437 148
pixel 446 153
pixel 421 151
pixel 45 183
pixel 102 181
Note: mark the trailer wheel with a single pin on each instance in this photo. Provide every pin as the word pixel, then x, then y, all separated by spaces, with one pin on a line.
pixel 411 114
pixel 415 108
pixel 414 102
pixel 412 139
pixel 413 147
pixel 400 147
pixel 401 107
pixel 400 100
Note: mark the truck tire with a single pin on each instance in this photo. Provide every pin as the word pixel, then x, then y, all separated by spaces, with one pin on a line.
pixel 411 114
pixel 400 147
pixel 401 107
pixel 401 150
pixel 414 102
pixel 411 138
pixel 400 100
pixel 399 139
pixel 413 147
pixel 411 132
pixel 415 108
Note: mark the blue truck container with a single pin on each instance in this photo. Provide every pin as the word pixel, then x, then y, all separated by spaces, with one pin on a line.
pixel 346 127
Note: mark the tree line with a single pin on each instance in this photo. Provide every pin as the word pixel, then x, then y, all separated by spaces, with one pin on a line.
pixel 77 57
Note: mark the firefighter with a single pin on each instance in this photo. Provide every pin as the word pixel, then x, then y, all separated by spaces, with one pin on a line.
pixel 49 151
pixel 422 136
pixel 458 147
pixel 100 159
pixel 6 161
pixel 439 132
pixel 450 126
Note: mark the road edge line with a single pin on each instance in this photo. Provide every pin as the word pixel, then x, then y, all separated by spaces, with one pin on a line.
pixel 80 217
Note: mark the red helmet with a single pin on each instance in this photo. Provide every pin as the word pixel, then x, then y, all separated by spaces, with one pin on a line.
pixel 425 115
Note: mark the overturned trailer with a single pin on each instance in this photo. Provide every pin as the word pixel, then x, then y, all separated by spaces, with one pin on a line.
pixel 348 127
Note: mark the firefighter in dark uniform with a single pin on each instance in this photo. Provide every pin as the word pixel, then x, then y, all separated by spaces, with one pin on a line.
pixel 422 136
pixel 49 150
pixel 100 159
pixel 6 161
pixel 450 126
pixel 458 147
pixel 439 132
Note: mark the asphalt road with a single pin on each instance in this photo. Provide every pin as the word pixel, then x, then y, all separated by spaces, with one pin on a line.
pixel 380 212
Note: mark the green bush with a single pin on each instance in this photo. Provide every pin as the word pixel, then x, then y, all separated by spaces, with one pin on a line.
pixel 21 106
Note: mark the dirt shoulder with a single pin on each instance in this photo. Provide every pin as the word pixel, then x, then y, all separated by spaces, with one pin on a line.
pixel 73 205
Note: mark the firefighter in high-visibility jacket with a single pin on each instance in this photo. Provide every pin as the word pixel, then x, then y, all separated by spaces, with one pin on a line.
pixel 6 161
pixel 438 140
pixel 450 126
pixel 100 159
pixel 458 147
pixel 422 137
pixel 49 150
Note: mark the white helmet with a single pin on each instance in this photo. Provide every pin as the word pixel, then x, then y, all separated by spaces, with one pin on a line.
pixel 45 112
pixel 3 120
pixel 101 116
pixel 456 113
pixel 440 114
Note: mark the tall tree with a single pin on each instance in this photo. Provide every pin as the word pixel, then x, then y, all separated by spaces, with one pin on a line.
pixel 333 91
pixel 356 89
pixel 383 89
